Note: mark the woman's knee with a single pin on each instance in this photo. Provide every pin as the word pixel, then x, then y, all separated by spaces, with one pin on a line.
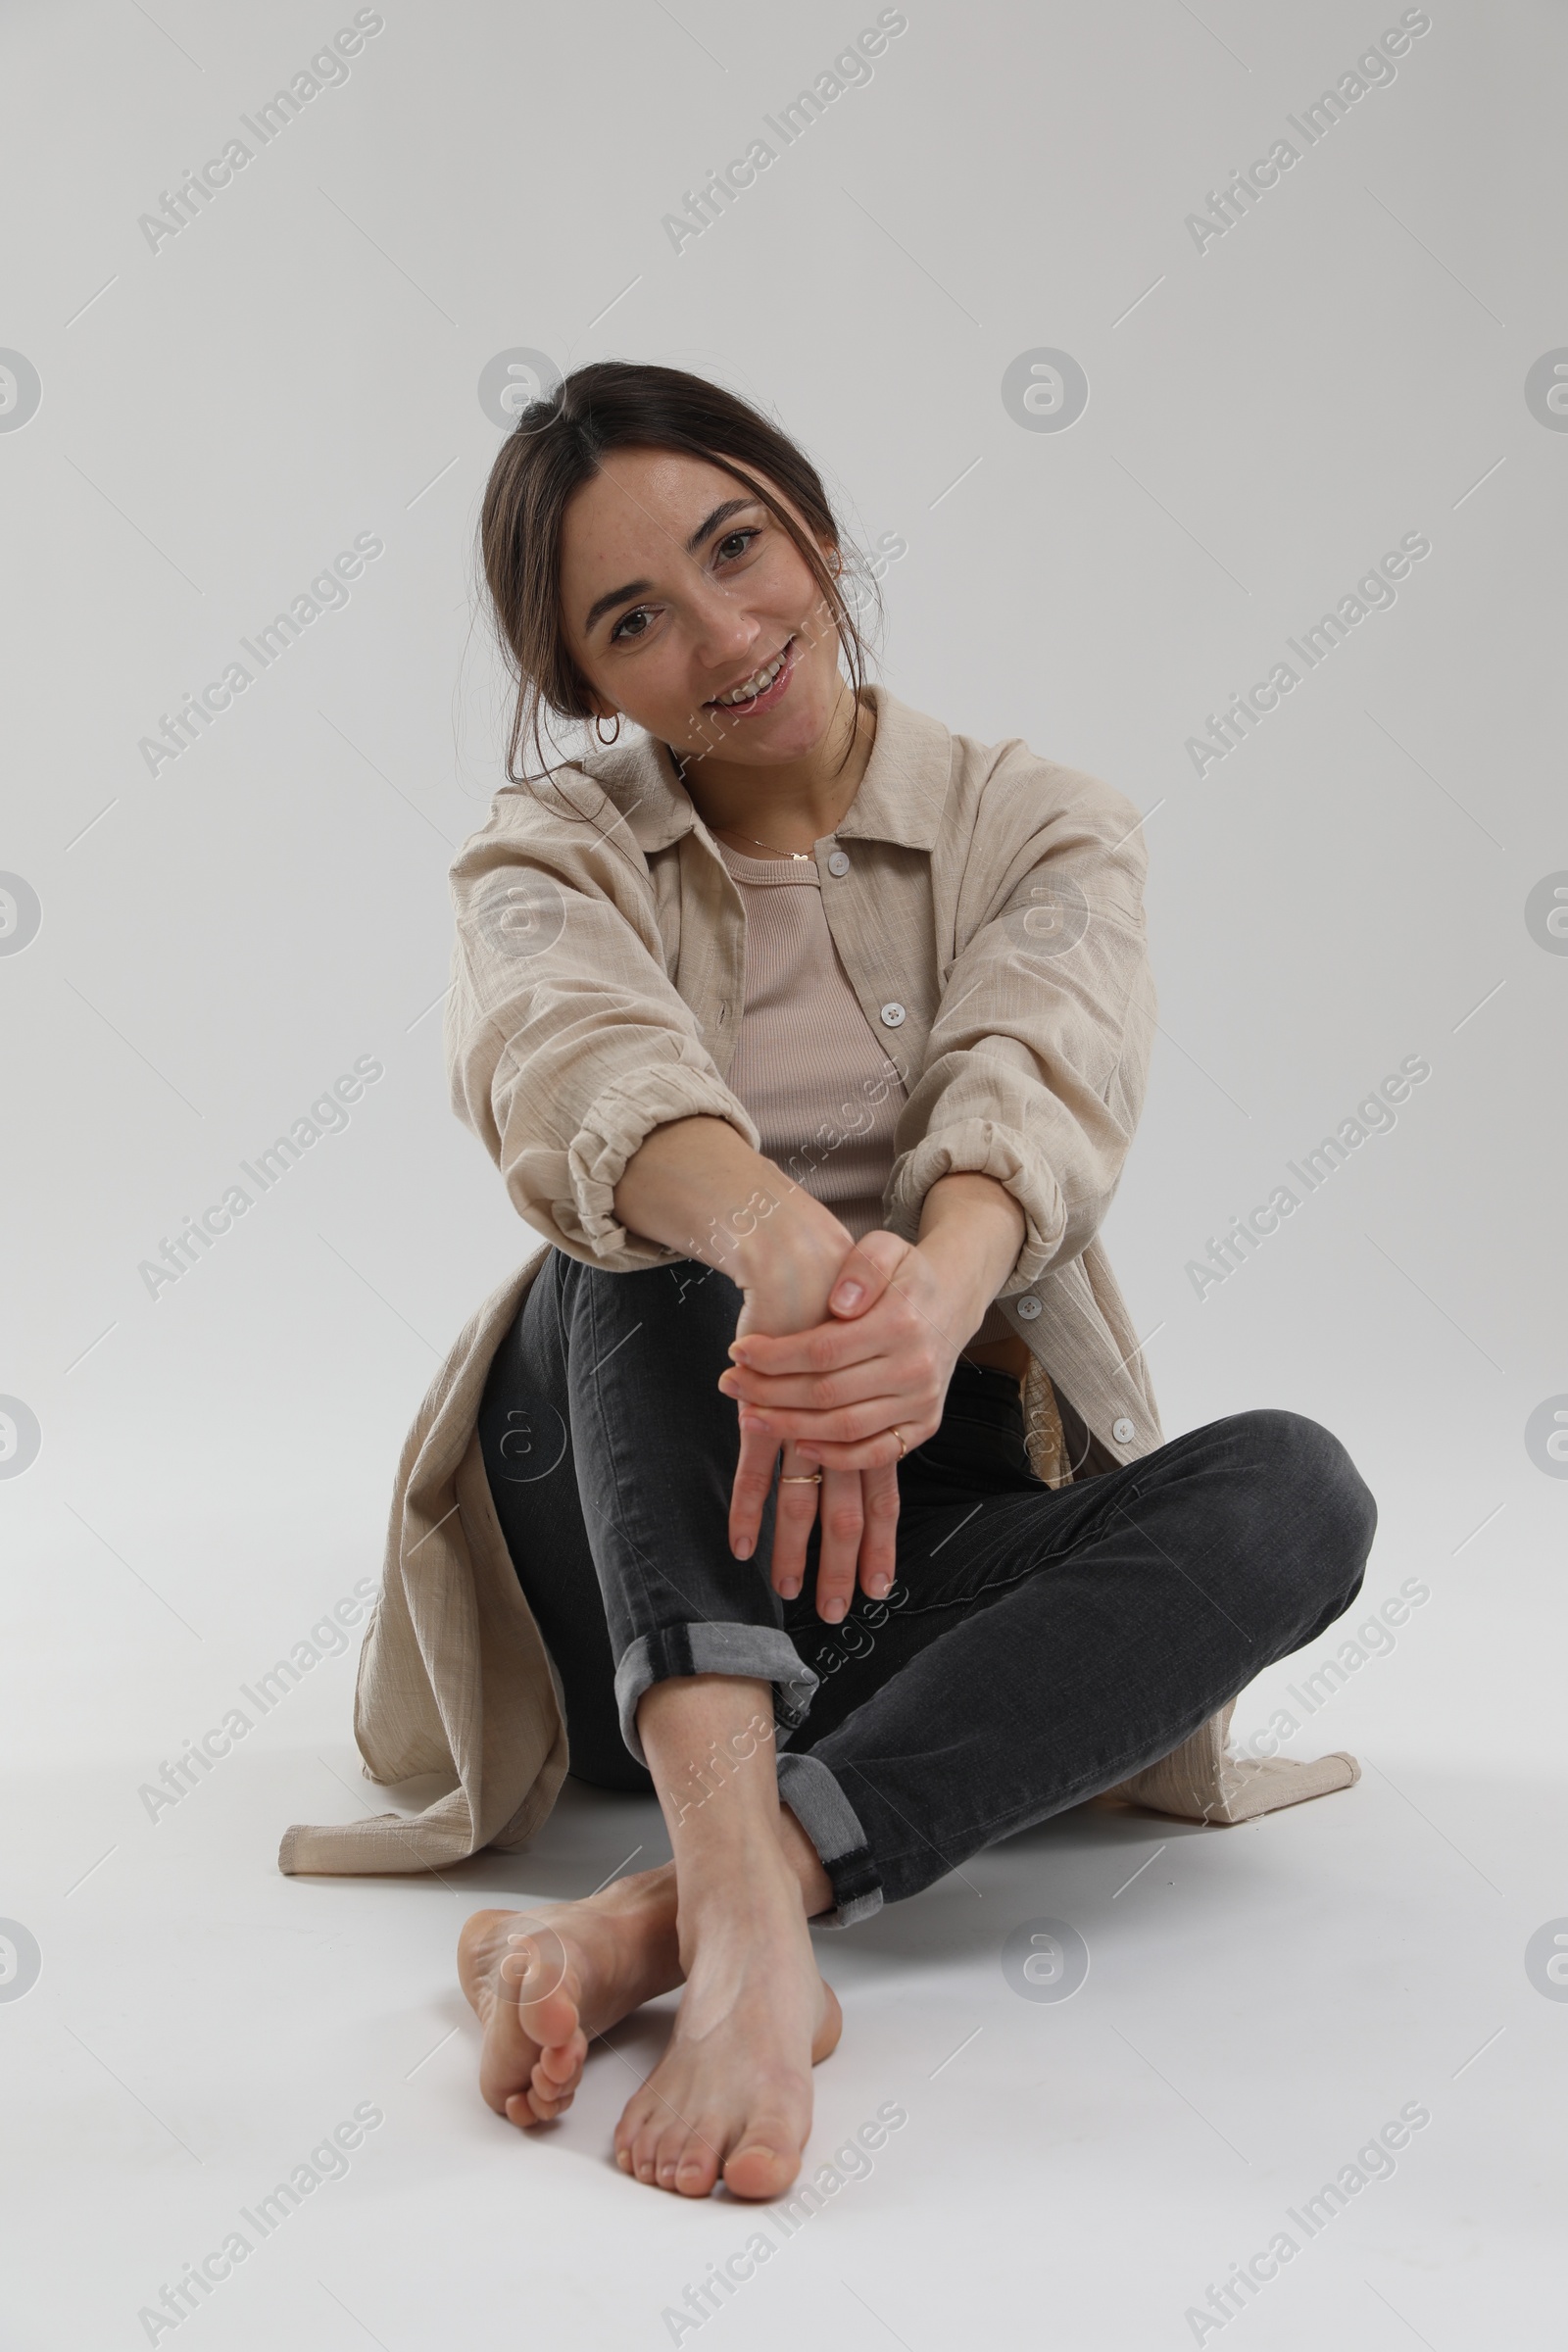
pixel 1315 1496
pixel 688 1310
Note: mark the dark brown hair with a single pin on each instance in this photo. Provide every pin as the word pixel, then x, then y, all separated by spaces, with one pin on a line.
pixel 557 443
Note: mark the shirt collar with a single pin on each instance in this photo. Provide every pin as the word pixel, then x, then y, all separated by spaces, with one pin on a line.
pixel 901 795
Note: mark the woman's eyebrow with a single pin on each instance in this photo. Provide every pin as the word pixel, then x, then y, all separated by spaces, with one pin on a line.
pixel 704 530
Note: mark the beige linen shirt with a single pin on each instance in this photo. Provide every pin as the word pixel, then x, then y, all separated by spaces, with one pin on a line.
pixel 985 903
pixel 823 1087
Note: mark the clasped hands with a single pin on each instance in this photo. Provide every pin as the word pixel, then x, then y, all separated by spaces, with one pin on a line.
pixel 832 1393
pixel 837 1344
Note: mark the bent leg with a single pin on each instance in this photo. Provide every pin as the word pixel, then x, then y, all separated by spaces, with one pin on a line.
pixel 610 1454
pixel 524 1425
pixel 1086 1632
pixel 732 2093
pixel 546 1983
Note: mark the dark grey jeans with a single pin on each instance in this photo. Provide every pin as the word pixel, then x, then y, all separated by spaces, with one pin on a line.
pixel 1038 1647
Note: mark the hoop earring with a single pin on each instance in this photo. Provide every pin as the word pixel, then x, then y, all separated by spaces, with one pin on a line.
pixel 599 726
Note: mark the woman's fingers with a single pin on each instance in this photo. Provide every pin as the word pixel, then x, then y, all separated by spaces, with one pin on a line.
pixel 879 1501
pixel 866 1273
pixel 849 1336
pixel 754 1481
pixel 881 1452
pixel 794 1517
pixel 843 1521
pixel 816 1392
pixel 849 1424
pixel 859 1515
pixel 858 1510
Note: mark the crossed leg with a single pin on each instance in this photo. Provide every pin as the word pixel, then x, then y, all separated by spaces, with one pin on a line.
pixel 732 2093
pixel 1052 1642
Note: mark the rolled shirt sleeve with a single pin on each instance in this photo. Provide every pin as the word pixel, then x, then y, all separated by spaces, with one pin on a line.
pixel 566 1043
pixel 1036 1060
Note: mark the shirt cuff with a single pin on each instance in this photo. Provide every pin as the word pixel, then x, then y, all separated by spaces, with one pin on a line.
pixel 613 1127
pixel 982 1147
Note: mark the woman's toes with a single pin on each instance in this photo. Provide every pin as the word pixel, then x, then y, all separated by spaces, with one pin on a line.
pixel 697 2170
pixel 764 2165
pixel 558 2069
pixel 549 2099
pixel 627 2132
pixel 638 2135
pixel 530 2109
pixel 645 2149
pixel 551 2020
pixel 686 2159
pixel 667 2150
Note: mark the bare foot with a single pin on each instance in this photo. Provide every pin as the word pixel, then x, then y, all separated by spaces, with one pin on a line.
pixel 543 1982
pixel 733 2091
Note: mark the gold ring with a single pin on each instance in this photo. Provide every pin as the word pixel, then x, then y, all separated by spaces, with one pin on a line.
pixel 800 1478
pixel 904 1443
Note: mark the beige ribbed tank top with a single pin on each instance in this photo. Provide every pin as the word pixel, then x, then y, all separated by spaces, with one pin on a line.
pixel 824 1088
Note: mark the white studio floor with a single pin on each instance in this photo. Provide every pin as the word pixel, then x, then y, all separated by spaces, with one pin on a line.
pixel 1259 2004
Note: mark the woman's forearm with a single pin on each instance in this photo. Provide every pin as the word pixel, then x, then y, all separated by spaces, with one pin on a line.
pixel 697 1186
pixel 972 1229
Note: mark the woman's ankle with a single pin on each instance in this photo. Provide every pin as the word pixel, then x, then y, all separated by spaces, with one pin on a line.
pixel 804 1862
pixel 738 1851
pixel 643 1889
pixel 755 1904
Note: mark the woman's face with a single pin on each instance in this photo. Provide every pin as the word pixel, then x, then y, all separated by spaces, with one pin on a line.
pixel 677 586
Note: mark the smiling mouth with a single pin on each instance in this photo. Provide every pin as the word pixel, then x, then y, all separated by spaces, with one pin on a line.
pixel 761 684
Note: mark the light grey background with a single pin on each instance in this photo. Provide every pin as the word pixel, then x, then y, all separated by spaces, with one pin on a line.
pixel 219 942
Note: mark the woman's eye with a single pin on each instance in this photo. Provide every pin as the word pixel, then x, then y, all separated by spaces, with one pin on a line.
pixel 736 541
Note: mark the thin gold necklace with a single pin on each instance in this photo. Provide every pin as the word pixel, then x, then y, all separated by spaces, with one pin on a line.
pixel 800 856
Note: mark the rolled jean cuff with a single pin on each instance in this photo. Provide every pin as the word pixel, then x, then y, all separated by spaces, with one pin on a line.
pixel 833 1825
pixel 759 1652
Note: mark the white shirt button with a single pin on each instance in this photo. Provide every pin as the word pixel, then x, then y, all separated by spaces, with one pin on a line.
pixel 892 1016
pixel 838 862
pixel 1029 1306
pixel 1123 1431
